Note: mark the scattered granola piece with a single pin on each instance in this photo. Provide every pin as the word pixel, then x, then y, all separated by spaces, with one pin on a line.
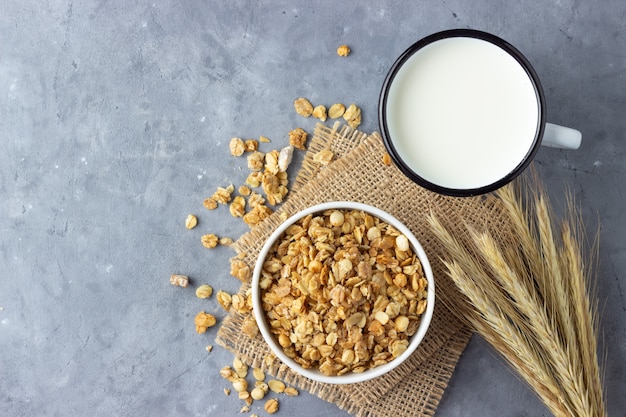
pixel 343 50
pixel 254 179
pixel 203 321
pixel 226 241
pixel 264 139
pixel 179 280
pixel 244 191
pixel 226 391
pixel 271 406
pixel 240 368
pixel 209 348
pixel 209 241
pixel 238 207
pixel 249 327
pixel 319 112
pixel 284 158
pixel 204 291
pixel 352 115
pixel 303 107
pixel 255 199
pixel 255 161
pixel 251 145
pixel 355 121
pixel 240 384
pixel 258 374
pixel 276 386
pixel 224 299
pixel 274 190
pixel 291 391
pixel 257 214
pixel 336 111
pixel 297 138
pixel 271 162
pixel 245 409
pixel 228 374
pixel 191 221
pixel 257 394
pixel 236 147
pixel 240 270
pixel 242 303
pixel 244 395
pixel 210 203
pixel 269 359
pixel 387 159
pixel 283 179
pixel 222 195
pixel 323 157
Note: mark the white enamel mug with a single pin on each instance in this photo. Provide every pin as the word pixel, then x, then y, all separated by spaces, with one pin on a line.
pixel 462 113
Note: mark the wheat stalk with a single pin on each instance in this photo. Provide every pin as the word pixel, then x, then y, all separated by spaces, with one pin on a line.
pixel 530 300
pixel 495 327
pixel 564 290
pixel 531 307
pixel 585 317
pixel 491 319
pixel 554 279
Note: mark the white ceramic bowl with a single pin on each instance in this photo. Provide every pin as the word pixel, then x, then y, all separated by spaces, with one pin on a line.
pixel 349 377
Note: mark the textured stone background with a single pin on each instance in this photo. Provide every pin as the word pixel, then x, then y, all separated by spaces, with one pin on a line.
pixel 114 123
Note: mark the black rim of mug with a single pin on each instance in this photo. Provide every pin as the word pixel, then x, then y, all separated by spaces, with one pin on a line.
pixel 382 111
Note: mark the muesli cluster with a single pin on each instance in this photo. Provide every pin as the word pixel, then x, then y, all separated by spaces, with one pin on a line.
pixel 343 291
pixel 343 50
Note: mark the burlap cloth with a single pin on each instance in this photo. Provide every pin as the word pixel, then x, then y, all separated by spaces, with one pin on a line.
pixel 358 174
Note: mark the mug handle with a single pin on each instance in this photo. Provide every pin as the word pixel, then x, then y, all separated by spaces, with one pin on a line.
pixel 556 136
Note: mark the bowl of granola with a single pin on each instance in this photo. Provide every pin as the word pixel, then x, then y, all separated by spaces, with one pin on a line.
pixel 342 292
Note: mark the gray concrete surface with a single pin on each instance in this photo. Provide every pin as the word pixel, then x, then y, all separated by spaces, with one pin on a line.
pixel 114 123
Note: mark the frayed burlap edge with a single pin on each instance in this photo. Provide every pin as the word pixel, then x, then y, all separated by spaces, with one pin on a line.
pixel 358 174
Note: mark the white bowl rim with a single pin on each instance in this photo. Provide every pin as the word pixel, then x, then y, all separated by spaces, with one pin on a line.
pixel 350 377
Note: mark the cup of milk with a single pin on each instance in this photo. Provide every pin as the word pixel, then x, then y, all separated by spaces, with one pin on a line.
pixel 462 113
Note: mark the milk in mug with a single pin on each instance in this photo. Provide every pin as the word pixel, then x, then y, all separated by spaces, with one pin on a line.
pixel 462 113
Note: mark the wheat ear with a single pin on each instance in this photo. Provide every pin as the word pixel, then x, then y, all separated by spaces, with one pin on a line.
pixel 530 298
pixel 585 312
pixel 543 330
pixel 495 324
pixel 500 332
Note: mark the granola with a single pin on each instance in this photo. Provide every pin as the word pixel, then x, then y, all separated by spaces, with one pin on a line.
pixel 336 111
pixel 191 221
pixel 343 50
pixel 236 146
pixel 297 138
pixel 343 291
pixel 303 107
